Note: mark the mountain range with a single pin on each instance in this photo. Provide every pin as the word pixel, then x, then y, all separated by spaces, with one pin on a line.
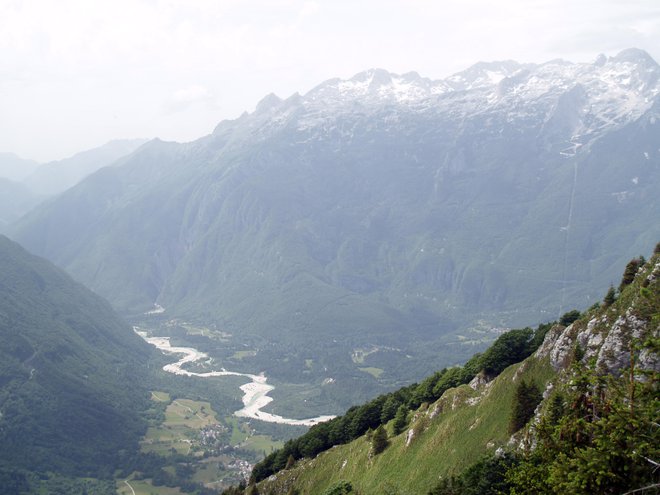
pixel 384 210
pixel 345 242
pixel 24 183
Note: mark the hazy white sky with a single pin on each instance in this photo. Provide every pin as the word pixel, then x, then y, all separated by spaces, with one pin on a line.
pixel 76 73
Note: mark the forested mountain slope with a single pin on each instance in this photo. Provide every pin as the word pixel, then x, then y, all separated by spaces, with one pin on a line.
pixel 71 375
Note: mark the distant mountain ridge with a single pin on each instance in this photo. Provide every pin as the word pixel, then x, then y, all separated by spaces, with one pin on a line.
pixel 24 183
pixel 385 208
pixel 56 176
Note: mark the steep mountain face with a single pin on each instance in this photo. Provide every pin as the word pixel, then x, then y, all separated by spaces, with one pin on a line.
pixel 382 208
pixel 71 373
pixel 471 421
pixel 54 177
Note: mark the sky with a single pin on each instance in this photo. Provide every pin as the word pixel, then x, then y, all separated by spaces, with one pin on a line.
pixel 75 74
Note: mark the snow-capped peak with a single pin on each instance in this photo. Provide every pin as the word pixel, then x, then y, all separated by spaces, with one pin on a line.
pixel 485 74
pixel 377 85
pixel 587 98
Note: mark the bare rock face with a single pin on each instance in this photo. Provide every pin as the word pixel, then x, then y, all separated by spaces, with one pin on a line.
pixel 546 347
pixel 479 381
pixel 609 337
pixel 558 345
pixel 614 354
pixel 432 413
pixel 410 436
pixel 589 339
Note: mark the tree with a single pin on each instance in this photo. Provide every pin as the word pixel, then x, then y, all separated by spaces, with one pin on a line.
pixel 340 488
pixel 390 407
pixel 400 419
pixel 526 398
pixel 509 348
pixel 486 477
pixel 610 297
pixel 379 440
pixel 630 272
pixel 556 409
pixel 605 442
pixel 569 317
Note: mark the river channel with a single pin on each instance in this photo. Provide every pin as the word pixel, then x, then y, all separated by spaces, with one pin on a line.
pixel 255 392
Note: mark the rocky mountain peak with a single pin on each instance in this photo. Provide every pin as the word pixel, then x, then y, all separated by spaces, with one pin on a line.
pixel 636 56
pixel 268 102
pixel 484 74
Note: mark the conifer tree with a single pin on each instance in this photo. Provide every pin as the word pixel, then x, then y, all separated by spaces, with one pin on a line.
pixel 610 297
pixel 526 398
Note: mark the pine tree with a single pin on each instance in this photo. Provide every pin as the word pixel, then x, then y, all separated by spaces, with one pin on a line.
pixel 526 398
pixel 610 297
pixel 555 409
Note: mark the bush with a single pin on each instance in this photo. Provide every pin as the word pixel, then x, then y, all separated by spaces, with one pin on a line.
pixel 379 440
pixel 569 317
pixel 630 272
pixel 340 488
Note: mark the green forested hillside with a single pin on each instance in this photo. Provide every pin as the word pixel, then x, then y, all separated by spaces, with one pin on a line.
pixel 71 375
pixel 595 432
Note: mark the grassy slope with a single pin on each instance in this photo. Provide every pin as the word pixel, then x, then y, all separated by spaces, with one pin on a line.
pixel 456 436
pixel 462 430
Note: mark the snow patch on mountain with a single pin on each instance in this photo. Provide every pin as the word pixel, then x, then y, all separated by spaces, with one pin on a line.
pixel 572 104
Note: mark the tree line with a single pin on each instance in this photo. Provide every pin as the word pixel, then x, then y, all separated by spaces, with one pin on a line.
pixel 509 348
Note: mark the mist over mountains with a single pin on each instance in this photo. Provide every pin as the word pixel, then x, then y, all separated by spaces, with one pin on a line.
pixel 343 243
pixel 24 183
pixel 502 187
